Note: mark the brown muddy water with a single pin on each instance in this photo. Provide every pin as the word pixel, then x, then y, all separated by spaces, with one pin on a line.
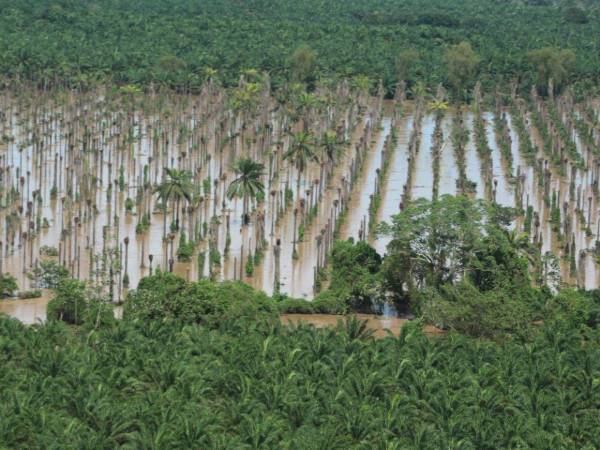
pixel 78 175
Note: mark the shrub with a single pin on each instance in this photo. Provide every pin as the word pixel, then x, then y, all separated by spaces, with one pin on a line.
pixel 168 297
pixel 47 250
pixel 185 251
pixel 464 308
pixel 48 274
pixel 34 293
pixel 330 302
pixel 296 306
pixel 71 304
pixel 8 285
pixel 355 279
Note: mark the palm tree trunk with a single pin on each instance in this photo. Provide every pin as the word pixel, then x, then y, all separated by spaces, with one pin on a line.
pixel 177 214
pixel 164 221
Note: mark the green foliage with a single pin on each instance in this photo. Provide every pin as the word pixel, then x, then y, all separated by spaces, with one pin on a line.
pixel 466 309
pixel 296 306
pixel 265 385
pixel 178 43
pixel 176 186
pixel 354 279
pixel 575 14
pixel 289 195
pixel 33 293
pixel 143 225
pixel 185 251
pixel 71 304
pixel 461 64
pixel 121 179
pixel 48 274
pixel 46 250
pixel 303 64
pixel 551 63
pixel 302 151
pixel 406 62
pixel 249 267
pixel 129 205
pixel 432 241
pixel 8 285
pixel 248 182
pixel 165 296
pixel 497 263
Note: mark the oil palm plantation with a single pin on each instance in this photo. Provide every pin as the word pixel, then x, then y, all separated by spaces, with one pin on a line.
pixel 248 183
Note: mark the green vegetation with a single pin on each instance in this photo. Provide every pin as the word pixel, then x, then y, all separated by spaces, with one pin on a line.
pixel 73 304
pixel 498 354
pixel 48 274
pixel 236 381
pixel 8 285
pixel 166 297
pixel 248 184
pixel 179 43
pixel 209 365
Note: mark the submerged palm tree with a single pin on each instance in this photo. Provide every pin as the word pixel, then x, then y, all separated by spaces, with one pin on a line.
pixel 177 185
pixel 332 147
pixel 248 183
pixel 301 152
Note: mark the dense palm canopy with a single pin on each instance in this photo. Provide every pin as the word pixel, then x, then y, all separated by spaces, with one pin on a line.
pixel 261 385
pixel 174 42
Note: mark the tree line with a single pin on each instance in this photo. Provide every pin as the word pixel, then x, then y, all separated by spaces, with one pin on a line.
pixel 179 43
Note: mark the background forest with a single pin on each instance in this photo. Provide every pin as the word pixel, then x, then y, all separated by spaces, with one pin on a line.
pixel 177 43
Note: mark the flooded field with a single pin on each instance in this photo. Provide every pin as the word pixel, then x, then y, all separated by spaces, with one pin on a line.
pixel 116 186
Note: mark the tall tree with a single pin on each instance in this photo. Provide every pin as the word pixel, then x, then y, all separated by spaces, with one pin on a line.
pixel 405 64
pixel 177 185
pixel 304 64
pixel 331 146
pixel 551 64
pixel 248 183
pixel 461 64
pixel 301 152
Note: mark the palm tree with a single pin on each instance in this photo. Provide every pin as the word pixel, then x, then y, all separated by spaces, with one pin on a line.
pixel 331 146
pixel 248 182
pixel 176 185
pixel 301 152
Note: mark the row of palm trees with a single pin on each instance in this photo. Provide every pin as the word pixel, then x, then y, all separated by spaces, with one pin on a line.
pixel 177 185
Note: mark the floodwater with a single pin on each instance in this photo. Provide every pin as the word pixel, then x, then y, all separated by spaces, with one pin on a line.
pixel 358 212
pixel 78 175
pixel 422 181
pixel 28 311
pixel 87 204
pixel 393 186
